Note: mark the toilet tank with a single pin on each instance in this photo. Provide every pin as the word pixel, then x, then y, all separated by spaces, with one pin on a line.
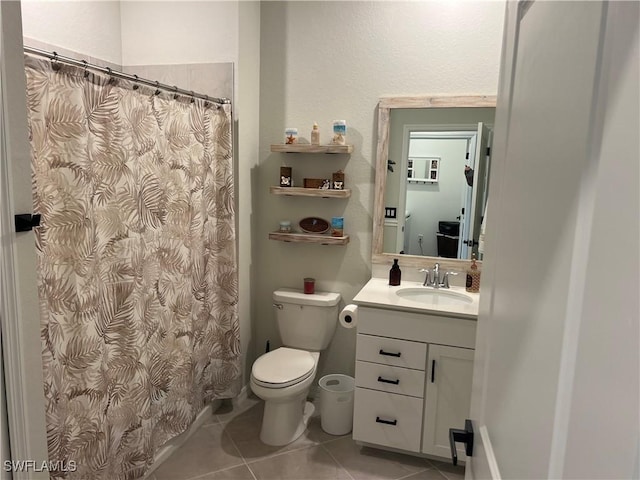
pixel 306 321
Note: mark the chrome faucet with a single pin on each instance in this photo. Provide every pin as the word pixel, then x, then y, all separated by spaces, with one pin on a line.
pixel 433 278
pixel 435 283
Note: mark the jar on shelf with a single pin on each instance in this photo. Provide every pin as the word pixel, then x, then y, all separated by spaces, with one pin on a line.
pixel 285 226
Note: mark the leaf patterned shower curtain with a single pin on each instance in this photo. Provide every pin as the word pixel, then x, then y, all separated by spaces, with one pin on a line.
pixel 137 265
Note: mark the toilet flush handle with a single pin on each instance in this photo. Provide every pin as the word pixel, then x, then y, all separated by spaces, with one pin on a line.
pixel 278 306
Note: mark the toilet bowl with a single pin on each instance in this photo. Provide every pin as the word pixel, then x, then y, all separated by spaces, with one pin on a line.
pixel 283 377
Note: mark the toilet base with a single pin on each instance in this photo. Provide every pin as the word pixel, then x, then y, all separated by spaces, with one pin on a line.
pixel 284 422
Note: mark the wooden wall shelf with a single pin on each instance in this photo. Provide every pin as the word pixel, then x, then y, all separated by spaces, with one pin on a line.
pixel 307 148
pixel 309 238
pixel 310 192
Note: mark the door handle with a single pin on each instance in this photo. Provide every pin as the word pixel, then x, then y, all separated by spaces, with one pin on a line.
pixel 462 436
pixel 25 222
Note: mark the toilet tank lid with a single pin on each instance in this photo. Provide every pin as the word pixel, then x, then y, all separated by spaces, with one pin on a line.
pixel 298 297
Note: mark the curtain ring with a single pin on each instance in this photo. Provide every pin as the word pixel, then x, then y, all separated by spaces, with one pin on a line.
pixel 193 98
pixel 111 80
pixel 157 92
pixel 86 65
pixel 206 103
pixel 175 92
pixel 135 82
pixel 55 66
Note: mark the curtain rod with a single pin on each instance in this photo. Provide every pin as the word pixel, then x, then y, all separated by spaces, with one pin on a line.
pixel 114 73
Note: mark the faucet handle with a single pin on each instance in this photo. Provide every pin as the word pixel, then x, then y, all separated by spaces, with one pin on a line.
pixel 445 280
pixel 427 277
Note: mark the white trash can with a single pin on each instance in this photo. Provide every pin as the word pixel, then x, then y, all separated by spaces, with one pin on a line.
pixel 336 403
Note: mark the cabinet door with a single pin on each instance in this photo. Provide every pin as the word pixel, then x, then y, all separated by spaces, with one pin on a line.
pixel 448 397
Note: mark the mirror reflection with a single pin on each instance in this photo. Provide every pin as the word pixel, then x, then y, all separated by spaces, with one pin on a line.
pixel 436 180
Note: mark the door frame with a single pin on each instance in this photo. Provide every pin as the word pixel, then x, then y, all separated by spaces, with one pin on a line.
pixel 19 306
pixel 467 132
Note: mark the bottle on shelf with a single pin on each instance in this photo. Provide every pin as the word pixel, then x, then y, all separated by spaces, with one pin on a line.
pixel 315 134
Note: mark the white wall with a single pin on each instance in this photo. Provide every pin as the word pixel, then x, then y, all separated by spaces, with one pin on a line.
pixel 89 27
pixel 248 128
pixel 176 32
pixel 606 385
pixel 322 61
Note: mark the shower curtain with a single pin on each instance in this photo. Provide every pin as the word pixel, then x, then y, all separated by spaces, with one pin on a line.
pixel 137 265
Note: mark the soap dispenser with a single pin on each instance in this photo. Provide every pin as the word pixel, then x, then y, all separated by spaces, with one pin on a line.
pixel 395 274
pixel 473 276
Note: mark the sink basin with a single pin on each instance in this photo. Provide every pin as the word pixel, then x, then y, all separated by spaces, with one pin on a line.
pixel 434 297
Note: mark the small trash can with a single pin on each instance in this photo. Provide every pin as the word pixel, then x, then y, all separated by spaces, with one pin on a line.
pixel 336 403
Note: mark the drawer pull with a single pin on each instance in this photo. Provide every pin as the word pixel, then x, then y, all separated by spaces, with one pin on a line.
pixel 393 382
pixel 389 354
pixel 386 422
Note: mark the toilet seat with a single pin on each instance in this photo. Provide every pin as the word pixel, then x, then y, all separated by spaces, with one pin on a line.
pixel 283 367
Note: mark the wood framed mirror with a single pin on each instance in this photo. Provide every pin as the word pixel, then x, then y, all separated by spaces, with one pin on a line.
pixel 384 164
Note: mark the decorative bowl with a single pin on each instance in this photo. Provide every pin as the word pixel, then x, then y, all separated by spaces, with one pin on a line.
pixel 314 225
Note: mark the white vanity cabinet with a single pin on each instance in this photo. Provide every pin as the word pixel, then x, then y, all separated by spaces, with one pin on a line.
pixel 413 379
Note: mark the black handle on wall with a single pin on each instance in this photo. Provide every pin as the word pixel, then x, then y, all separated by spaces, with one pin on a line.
pixel 462 436
pixel 25 222
pixel 433 371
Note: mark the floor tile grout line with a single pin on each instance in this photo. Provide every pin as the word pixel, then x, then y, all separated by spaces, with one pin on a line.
pixel 225 468
pixel 340 437
pixel 244 460
pixel 305 447
pixel 336 460
pixel 419 471
pixel 215 471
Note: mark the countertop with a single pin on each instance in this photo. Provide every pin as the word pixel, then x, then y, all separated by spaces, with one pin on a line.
pixel 378 293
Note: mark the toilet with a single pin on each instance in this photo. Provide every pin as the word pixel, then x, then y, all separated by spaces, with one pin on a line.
pixel 283 377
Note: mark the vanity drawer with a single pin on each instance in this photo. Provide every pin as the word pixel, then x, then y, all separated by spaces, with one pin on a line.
pixel 387 419
pixel 391 351
pixel 404 381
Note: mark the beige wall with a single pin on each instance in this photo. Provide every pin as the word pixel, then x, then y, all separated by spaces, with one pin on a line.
pixel 322 61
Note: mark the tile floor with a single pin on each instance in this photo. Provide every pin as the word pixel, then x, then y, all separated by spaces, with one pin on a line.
pixel 228 447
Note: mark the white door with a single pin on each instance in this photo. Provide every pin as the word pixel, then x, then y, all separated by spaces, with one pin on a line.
pixel 18 293
pixel 448 397
pixel 555 388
